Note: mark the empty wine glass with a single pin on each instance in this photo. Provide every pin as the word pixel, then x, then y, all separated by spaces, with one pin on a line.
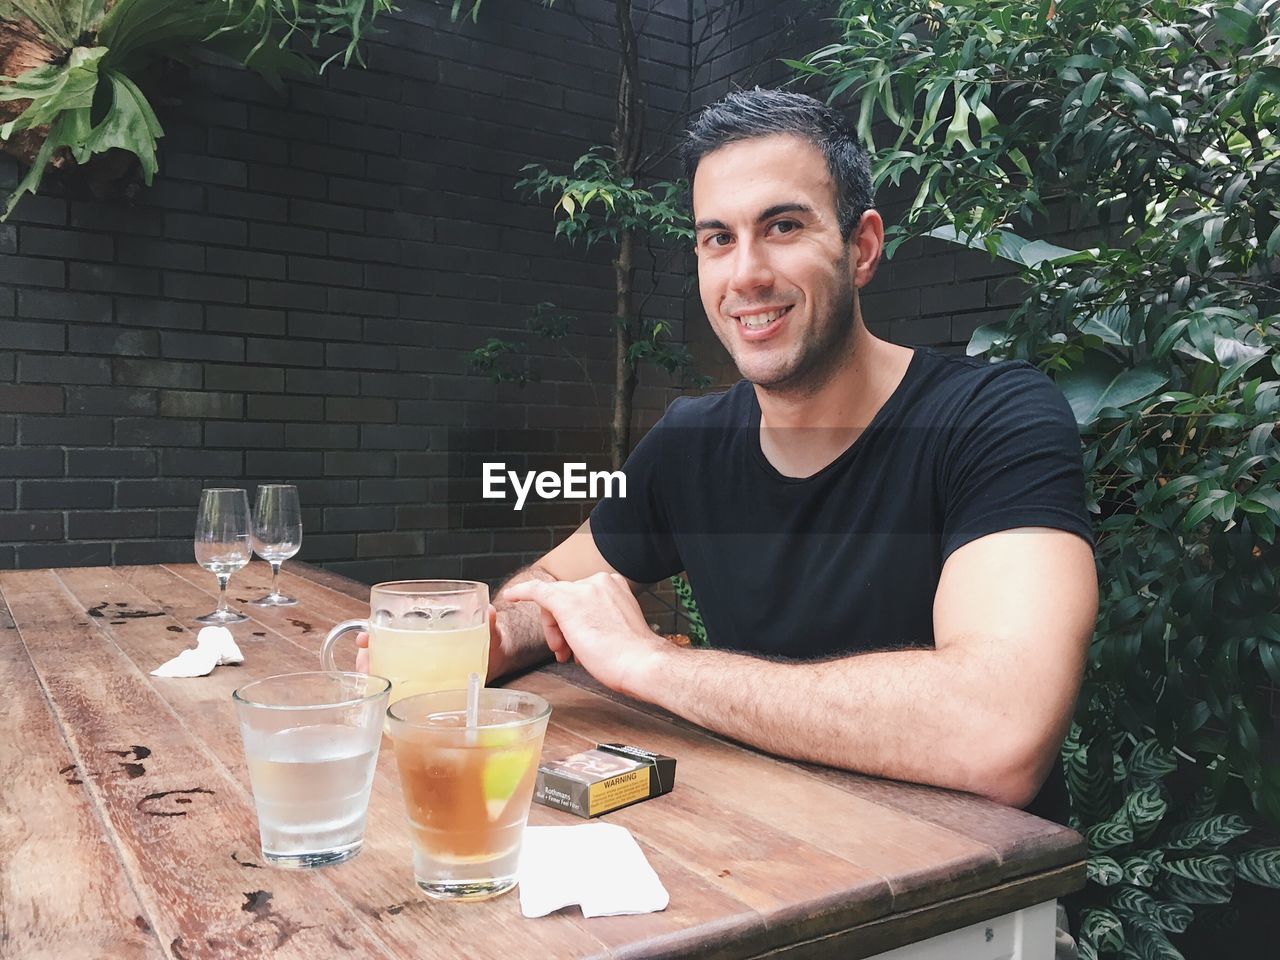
pixel 277 534
pixel 222 543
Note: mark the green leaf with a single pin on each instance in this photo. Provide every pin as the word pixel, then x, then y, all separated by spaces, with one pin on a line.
pixel 53 88
pixel 1100 383
pixel 1260 866
pixel 129 124
pixel 1103 870
pixel 1102 928
pixel 1211 831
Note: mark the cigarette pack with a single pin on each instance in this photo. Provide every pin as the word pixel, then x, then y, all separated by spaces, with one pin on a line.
pixel 610 776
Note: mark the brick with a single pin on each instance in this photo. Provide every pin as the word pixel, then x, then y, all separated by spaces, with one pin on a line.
pixel 274 293
pixel 168 492
pixel 30 399
pixel 329 272
pixel 114 278
pixel 71 431
pixel 409 385
pixel 30 526
pixel 362 464
pixel 176 523
pixel 195 286
pixel 401 544
pixel 35 209
pixel 268 407
pixel 201 346
pixel 111 462
pixel 393 491
pixel 219 376
pixel 9 430
pixel 376 437
pixel 287 181
pixel 32 556
pixel 37 368
pixel 327 546
pixel 283 465
pixel 173 195
pixel 19 335
pixel 264 236
pixel 321 436
pixel 247 263
pixel 327 491
pixel 157 432
pixel 241 435
pixel 360 356
pixel 366 302
pixel 240 145
pixel 8 495
pixel 114 341
pixel 289 352
pixel 370 249
pixel 201 405
pixel 248 206
pixel 31 462
pixel 58 305
pixel 129 552
pixel 110 524
pixel 330 216
pixel 9 238
pixel 228 319
pixel 149 252
pixel 398 332
pixel 32 270
pixel 363 410
pixel 201 463
pixel 155 373
pixel 324 326
pixel 69 244
pixel 202 169
pixel 353 519
pixel 111 401
pixel 168 314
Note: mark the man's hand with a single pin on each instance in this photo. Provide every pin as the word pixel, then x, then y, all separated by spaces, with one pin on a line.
pixel 599 622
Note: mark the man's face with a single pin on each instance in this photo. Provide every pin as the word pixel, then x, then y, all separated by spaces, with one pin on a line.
pixel 777 282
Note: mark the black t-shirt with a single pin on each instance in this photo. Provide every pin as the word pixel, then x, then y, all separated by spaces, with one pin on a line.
pixel 848 559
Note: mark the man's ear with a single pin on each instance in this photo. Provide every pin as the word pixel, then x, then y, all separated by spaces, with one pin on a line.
pixel 866 245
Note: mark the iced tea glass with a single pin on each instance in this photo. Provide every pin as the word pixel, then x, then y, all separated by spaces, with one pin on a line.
pixel 467 789
pixel 311 741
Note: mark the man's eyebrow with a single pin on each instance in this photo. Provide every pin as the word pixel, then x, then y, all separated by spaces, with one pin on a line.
pixel 766 214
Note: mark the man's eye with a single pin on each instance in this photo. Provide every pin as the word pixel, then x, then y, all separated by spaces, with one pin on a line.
pixel 719 239
pixel 785 226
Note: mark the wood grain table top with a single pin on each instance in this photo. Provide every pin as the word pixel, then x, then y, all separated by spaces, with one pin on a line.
pixel 129 828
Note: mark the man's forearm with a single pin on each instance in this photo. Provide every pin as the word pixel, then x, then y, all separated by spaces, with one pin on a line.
pixel 520 627
pixel 926 716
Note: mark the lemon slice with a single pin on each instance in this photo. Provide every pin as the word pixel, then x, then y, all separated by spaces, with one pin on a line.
pixel 503 771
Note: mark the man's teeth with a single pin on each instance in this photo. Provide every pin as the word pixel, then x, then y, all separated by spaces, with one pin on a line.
pixel 758 321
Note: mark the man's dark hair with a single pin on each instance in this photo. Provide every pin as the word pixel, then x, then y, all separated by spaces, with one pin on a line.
pixel 747 114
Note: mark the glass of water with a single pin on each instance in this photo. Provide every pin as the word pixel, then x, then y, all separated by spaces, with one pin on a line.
pixel 277 534
pixel 222 543
pixel 311 741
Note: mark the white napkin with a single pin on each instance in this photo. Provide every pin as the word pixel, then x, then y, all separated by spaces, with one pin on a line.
pixel 214 646
pixel 598 866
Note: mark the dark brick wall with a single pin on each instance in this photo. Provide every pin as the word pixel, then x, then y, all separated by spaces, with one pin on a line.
pixel 294 298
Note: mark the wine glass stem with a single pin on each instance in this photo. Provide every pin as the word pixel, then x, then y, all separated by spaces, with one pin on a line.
pixel 222 594
pixel 275 578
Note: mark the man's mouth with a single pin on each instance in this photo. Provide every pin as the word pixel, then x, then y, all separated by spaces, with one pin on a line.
pixel 756 322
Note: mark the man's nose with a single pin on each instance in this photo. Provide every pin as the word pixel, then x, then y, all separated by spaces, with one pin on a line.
pixel 751 268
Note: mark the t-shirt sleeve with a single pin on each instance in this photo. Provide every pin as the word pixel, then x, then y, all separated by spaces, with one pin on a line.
pixel 1014 461
pixel 633 533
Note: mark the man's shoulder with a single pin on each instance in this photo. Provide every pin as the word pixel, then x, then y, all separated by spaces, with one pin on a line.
pixel 725 408
pixel 963 386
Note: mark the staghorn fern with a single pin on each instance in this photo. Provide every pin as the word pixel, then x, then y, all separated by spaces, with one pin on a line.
pixel 105 45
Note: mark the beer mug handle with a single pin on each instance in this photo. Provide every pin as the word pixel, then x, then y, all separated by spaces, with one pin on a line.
pixel 326 649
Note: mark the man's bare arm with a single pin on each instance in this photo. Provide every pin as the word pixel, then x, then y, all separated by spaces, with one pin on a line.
pixel 519 642
pixel 984 711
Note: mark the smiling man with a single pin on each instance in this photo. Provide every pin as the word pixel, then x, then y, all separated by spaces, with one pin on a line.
pixel 889 546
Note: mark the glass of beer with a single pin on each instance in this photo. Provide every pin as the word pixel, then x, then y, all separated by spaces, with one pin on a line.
pixel 424 635
pixel 311 741
pixel 466 789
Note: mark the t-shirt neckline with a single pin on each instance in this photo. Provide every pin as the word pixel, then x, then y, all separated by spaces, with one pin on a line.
pixel 887 408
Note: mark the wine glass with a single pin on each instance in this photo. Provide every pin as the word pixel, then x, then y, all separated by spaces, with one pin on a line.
pixel 222 543
pixel 277 534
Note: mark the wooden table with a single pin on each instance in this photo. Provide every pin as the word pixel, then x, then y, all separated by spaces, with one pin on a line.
pixel 129 829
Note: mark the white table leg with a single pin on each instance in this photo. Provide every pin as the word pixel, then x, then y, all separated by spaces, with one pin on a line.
pixel 1026 934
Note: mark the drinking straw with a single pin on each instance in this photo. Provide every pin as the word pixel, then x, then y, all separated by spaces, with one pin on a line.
pixel 473 701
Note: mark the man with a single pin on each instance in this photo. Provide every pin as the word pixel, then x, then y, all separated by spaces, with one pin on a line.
pixel 889 547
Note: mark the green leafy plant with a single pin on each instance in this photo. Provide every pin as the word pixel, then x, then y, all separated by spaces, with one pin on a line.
pixel 83 94
pixel 1149 126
